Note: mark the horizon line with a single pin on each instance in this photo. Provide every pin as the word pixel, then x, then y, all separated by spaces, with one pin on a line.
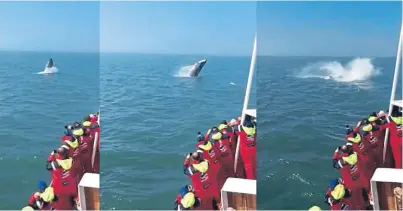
pixel 119 52
pixel 191 54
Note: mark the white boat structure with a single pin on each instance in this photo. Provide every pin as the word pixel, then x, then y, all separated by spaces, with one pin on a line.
pixel 385 180
pixel 237 193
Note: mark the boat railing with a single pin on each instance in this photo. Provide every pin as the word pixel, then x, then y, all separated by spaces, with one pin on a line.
pixel 393 101
pixel 237 192
pixel 385 180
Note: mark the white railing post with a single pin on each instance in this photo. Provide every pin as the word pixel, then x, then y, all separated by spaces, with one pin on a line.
pixel 394 85
pixel 247 95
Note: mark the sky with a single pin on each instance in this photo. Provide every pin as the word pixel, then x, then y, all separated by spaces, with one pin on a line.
pixel 49 26
pixel 328 28
pixel 208 28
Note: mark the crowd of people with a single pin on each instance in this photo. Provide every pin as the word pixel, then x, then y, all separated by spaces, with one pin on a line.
pixel 67 165
pixel 359 157
pixel 213 162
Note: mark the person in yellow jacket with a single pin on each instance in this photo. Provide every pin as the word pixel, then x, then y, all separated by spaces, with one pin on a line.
pixel 28 208
pixel 63 180
pixel 188 201
pixel 89 121
pixel 315 208
pixel 42 198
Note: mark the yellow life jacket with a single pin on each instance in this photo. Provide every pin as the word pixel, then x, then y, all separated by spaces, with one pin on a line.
pixel 188 200
pixel 315 208
pixel 397 120
pixel 356 139
pixel 78 132
pixel 250 131
pixel 372 118
pixel 86 123
pixel 338 192
pixel 73 144
pixel 216 136
pixel 206 146
pixel 27 208
pixel 66 163
pixel 222 126
pixel 201 167
pixel 367 128
pixel 351 159
pixel 48 195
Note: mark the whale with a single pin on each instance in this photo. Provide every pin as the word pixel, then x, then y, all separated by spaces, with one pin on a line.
pixel 197 67
pixel 50 63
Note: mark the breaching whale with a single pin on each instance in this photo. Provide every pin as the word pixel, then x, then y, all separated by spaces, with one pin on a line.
pixel 197 67
pixel 50 63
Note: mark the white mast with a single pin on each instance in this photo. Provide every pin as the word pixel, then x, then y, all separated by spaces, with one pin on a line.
pixel 247 95
pixel 392 101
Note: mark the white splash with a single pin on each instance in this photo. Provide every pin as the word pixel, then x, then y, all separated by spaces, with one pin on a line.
pixel 48 70
pixel 184 71
pixel 359 69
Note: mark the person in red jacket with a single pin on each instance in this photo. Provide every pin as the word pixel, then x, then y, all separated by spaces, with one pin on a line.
pixel 222 143
pixel 247 147
pixel 212 155
pixel 71 142
pixel 376 136
pixel 337 196
pixel 90 121
pixel 187 199
pixel 94 117
pixel 204 185
pixel 240 170
pixel 95 131
pixel 393 123
pixel 73 147
pixel 86 150
pixel 224 128
pixel 68 133
pixel 353 176
pixel 395 138
pixel 35 201
pixel 367 161
pixel 63 179
pixel 40 200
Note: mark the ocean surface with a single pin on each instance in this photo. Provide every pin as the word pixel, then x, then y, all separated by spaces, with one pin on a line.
pixel 151 116
pixel 303 105
pixel 33 111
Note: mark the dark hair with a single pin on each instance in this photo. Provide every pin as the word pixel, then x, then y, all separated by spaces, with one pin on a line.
pixel 396 111
pixel 347 149
pixel 87 118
